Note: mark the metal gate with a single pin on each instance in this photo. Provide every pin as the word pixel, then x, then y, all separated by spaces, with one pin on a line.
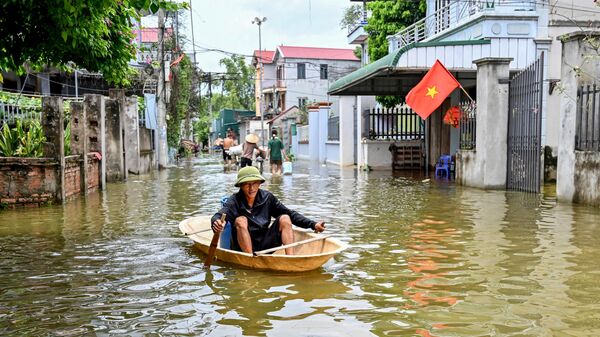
pixel 525 129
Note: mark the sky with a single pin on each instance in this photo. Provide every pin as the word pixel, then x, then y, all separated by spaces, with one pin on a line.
pixel 226 25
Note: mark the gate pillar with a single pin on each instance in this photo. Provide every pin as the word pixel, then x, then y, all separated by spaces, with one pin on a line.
pixel 492 123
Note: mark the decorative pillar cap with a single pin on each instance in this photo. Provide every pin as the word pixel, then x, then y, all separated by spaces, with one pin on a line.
pixel 577 35
pixel 492 60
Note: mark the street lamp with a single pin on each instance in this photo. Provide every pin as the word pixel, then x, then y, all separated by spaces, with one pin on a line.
pixel 259 22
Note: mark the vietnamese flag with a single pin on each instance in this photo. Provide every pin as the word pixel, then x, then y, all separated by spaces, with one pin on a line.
pixel 433 89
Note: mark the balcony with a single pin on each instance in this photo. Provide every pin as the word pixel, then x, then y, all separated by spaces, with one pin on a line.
pixel 457 13
pixel 357 33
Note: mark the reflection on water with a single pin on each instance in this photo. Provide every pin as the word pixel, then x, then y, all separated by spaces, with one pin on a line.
pixel 426 258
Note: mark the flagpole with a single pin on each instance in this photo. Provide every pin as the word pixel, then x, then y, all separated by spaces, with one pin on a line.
pixel 466 93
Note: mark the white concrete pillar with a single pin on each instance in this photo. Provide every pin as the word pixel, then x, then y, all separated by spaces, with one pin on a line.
pixel 347 127
pixel 323 126
pixel 313 132
pixel 492 120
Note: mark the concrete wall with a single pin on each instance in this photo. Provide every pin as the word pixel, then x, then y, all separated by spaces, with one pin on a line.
pixel 114 142
pixel 332 152
pixel 577 171
pixel 132 137
pixel 303 151
pixel 147 157
pixel 377 154
pixel 468 170
pixel 587 178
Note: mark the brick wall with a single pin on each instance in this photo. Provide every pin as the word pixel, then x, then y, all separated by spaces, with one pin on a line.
pixel 28 181
pixel 72 176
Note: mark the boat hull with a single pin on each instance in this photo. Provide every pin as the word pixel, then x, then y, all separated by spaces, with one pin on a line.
pixel 306 257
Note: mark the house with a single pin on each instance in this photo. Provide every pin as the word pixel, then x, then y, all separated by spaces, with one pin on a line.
pixel 296 75
pixel 146 39
pixel 494 48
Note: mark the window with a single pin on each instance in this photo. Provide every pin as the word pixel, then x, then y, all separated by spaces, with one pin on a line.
pixel 302 101
pixel 323 71
pixel 301 71
pixel 280 73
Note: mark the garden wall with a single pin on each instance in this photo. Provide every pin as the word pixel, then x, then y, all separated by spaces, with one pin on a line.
pixel 32 182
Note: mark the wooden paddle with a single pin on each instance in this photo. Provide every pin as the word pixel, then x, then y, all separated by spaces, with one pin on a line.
pixel 200 231
pixel 213 245
pixel 295 244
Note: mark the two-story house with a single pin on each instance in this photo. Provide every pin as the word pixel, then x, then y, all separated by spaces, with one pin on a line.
pixel 294 76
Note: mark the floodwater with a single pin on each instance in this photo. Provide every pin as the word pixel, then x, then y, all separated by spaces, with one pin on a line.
pixel 426 258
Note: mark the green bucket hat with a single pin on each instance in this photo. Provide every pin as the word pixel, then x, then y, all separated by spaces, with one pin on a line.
pixel 248 173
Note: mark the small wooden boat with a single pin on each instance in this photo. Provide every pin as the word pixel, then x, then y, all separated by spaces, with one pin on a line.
pixel 311 250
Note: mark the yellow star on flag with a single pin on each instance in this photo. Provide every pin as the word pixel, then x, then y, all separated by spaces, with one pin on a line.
pixel 432 92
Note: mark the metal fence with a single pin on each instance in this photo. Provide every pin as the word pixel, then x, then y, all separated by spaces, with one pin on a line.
pixel 333 128
pixel 399 123
pixel 587 137
pixel 524 148
pixel 468 125
pixel 9 113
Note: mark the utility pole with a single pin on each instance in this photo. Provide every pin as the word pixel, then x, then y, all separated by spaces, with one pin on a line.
pixel 193 40
pixel 161 107
pixel 194 59
pixel 259 22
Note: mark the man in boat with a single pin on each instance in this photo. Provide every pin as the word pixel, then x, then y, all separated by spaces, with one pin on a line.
pixel 250 211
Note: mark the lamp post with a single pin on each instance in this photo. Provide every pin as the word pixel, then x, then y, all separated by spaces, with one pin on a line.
pixel 259 22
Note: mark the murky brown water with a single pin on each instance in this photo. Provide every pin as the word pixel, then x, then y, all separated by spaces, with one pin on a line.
pixel 425 259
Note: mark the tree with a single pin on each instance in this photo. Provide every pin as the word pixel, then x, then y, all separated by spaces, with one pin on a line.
pixel 387 18
pixel 181 94
pixel 94 35
pixel 238 83
pixel 352 15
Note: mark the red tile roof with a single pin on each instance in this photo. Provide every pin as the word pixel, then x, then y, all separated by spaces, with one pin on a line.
pixel 150 35
pixel 267 55
pixel 317 53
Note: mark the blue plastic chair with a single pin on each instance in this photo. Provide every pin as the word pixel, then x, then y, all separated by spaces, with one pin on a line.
pixel 225 241
pixel 443 165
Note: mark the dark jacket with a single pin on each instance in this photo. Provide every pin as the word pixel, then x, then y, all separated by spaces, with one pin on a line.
pixel 266 206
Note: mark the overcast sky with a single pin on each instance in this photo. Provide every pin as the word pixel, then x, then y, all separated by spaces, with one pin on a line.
pixel 226 25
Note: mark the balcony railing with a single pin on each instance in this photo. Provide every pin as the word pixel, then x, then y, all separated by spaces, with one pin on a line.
pixel 451 16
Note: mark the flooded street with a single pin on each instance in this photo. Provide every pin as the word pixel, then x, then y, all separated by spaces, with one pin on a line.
pixel 425 259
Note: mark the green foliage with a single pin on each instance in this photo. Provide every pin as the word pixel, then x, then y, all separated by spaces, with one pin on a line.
pixel 388 17
pixel 30 102
pixel 8 142
pixel 31 141
pixel 22 140
pixel 358 52
pixel 352 15
pixel 239 83
pixel 180 97
pixel 95 35
pixel 237 93
pixel 67 139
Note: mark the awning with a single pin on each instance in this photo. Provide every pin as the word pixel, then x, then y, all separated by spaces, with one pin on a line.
pixel 381 66
pixel 398 72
